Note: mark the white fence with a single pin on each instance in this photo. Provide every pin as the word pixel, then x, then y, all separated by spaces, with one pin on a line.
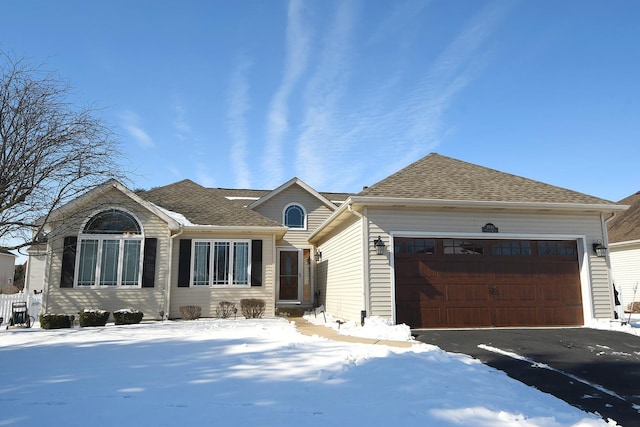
pixel 34 302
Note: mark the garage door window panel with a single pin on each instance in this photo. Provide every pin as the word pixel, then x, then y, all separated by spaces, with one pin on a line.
pixel 462 247
pixel 511 247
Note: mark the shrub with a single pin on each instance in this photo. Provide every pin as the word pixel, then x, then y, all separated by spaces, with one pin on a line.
pixel 633 307
pixel 226 309
pixel 93 317
pixel 190 312
pixel 252 308
pixel 127 317
pixel 56 321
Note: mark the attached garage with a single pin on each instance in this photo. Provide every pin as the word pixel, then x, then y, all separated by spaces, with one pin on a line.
pixel 461 283
pixel 448 244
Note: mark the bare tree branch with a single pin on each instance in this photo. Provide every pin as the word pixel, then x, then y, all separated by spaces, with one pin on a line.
pixel 51 150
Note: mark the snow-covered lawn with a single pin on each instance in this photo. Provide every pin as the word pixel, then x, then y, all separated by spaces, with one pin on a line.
pixel 253 373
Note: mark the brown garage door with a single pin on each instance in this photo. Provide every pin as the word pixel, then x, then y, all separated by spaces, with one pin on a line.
pixel 475 283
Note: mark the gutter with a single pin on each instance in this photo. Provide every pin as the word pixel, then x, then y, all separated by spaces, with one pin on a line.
pixel 463 204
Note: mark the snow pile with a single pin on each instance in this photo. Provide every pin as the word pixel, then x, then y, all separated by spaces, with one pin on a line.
pixel 254 372
pixel 374 327
pixel 631 324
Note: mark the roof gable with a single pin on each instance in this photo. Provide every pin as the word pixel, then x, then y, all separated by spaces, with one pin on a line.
pixel 625 226
pixel 204 206
pixel 100 190
pixel 437 177
pixel 288 184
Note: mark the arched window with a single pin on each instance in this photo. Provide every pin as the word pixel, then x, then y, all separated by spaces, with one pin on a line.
pixel 112 221
pixel 295 217
pixel 110 251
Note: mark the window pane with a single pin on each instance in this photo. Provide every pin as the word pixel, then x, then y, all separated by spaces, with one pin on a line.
pixel 240 263
pixel 87 262
pixel 112 222
pixel 201 256
pixel 294 217
pixel 221 263
pixel 131 262
pixel 109 262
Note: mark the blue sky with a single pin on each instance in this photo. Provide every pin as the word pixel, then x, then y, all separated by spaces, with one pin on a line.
pixel 248 94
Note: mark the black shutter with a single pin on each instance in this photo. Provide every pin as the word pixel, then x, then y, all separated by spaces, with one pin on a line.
pixel 68 261
pixel 256 263
pixel 149 262
pixel 184 263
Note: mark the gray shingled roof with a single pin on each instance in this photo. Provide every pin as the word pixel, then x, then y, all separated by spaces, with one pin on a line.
pixel 204 206
pixel 625 226
pixel 442 178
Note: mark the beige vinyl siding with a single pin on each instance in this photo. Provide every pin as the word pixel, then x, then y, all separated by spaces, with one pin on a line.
pixel 36 264
pixel 625 266
pixel 71 300
pixel 7 267
pixel 209 298
pixel 384 222
pixel 340 274
pixel 316 212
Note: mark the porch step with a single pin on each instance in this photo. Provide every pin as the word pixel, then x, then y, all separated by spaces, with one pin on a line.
pixel 291 311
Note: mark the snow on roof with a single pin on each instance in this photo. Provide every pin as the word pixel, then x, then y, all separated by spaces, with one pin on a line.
pixel 178 217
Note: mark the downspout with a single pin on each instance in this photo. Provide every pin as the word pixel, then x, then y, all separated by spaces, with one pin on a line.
pixel 365 264
pixel 45 285
pixel 169 273
pixel 605 235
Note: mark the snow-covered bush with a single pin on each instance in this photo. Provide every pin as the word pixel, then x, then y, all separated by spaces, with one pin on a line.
pixel 90 317
pixel 252 308
pixel 190 312
pixel 55 321
pixel 127 316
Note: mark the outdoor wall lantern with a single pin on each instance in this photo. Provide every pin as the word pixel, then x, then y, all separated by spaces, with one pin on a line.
pixel 379 245
pixel 318 256
pixel 600 249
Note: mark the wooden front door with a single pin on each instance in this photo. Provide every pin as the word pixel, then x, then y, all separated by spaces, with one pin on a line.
pixel 289 275
pixel 478 283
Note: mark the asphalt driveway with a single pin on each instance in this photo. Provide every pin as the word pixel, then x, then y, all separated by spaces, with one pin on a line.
pixel 596 371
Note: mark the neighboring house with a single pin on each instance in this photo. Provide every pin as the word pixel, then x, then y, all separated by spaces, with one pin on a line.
pixel 7 268
pixel 624 246
pixel 441 243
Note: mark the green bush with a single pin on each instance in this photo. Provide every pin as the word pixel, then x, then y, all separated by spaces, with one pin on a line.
pixel 190 312
pixel 55 321
pixel 226 309
pixel 93 317
pixel 127 317
pixel 252 308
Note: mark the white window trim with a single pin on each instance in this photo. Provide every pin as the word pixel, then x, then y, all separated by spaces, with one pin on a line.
pixel 230 284
pixel 304 214
pixel 101 238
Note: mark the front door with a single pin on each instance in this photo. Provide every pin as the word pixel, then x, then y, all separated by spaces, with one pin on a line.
pixel 289 275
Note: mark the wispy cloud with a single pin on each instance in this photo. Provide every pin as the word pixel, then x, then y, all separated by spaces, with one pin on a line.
pixel 131 123
pixel 459 64
pixel 316 145
pixel 298 39
pixel 180 124
pixel 238 107
pixel 397 19
pixel 394 128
